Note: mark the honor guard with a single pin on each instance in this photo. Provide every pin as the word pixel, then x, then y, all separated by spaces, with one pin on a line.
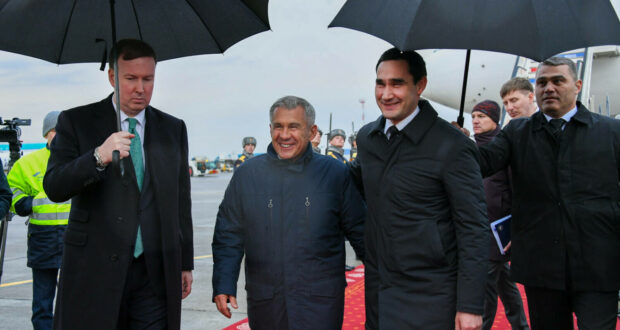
pixel 46 224
pixel 353 143
pixel 336 143
pixel 249 144
pixel 316 140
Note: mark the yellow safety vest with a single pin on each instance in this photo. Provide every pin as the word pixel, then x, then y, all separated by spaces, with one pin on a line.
pixel 26 179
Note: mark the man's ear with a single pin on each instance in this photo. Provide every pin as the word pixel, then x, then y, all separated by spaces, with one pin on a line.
pixel 111 76
pixel 579 84
pixel 421 85
pixel 313 131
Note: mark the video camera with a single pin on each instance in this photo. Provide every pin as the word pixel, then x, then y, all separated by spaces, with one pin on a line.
pixel 11 134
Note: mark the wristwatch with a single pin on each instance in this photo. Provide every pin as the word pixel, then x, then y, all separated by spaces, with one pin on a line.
pixel 100 164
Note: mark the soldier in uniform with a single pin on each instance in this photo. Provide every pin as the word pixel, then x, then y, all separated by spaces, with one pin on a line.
pixel 336 143
pixel 353 143
pixel 249 144
pixel 316 140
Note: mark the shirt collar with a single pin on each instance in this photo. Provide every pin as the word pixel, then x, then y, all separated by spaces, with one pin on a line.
pixel 402 123
pixel 567 116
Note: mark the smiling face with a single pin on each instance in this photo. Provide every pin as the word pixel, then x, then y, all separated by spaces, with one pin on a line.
pixel 290 132
pixel 556 90
pixel 136 81
pixel 396 94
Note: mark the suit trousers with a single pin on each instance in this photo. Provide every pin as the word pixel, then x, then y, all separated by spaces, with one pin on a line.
pixel 43 292
pixel 553 309
pixel 141 307
pixel 499 283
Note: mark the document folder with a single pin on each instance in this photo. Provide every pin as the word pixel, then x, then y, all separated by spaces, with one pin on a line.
pixel 501 232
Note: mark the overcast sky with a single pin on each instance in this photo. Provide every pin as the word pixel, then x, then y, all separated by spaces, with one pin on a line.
pixel 223 98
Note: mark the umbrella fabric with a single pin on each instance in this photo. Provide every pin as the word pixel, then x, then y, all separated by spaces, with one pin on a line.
pixel 532 28
pixel 78 31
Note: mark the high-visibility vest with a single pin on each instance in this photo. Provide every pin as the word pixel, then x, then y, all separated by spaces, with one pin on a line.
pixel 26 179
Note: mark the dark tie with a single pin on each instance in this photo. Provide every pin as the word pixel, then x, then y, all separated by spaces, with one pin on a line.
pixel 392 133
pixel 555 125
pixel 135 150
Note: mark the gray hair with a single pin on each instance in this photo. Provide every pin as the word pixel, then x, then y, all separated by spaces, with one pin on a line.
pixel 291 102
pixel 556 61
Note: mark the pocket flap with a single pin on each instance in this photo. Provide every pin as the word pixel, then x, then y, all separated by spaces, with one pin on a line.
pixel 75 237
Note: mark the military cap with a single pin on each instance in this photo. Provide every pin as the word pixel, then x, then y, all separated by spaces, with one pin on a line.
pixel 337 132
pixel 248 140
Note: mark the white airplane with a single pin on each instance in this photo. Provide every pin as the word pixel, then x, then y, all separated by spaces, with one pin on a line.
pixel 488 71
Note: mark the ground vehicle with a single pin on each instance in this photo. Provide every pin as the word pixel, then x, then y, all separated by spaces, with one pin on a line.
pixel 201 166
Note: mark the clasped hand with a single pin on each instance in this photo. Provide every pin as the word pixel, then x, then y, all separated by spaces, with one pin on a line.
pixel 120 141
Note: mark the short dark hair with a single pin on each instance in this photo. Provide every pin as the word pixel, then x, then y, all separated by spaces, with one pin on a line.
pixel 417 67
pixel 557 61
pixel 131 49
pixel 516 84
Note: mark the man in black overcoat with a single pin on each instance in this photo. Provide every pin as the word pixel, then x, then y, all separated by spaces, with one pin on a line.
pixel 565 163
pixel 128 252
pixel 426 235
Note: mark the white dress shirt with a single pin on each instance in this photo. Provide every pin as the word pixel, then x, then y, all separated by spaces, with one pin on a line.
pixel 567 116
pixel 403 123
pixel 141 118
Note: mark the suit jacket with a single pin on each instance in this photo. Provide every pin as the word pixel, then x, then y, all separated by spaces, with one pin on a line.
pixel 566 200
pixel 105 214
pixel 426 235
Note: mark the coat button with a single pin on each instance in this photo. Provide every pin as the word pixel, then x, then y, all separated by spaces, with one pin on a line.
pixel 120 220
pixel 113 257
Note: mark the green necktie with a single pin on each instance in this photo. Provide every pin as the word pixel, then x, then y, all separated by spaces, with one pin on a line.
pixel 135 150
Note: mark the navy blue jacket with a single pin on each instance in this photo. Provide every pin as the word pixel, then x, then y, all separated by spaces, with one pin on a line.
pixel 290 220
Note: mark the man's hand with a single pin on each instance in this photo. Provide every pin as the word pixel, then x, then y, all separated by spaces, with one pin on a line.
pixel 462 129
pixel 221 301
pixel 507 247
pixel 186 280
pixel 118 141
pixel 466 321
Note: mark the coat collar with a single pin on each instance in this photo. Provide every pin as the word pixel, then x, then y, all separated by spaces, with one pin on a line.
pixel 583 116
pixel 294 166
pixel 416 129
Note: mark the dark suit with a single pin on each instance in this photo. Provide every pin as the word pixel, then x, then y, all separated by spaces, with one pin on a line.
pixel 106 211
pixel 426 235
pixel 566 202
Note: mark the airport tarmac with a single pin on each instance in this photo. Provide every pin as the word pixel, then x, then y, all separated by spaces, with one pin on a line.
pixel 198 310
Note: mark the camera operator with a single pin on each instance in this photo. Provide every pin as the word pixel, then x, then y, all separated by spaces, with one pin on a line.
pixel 46 224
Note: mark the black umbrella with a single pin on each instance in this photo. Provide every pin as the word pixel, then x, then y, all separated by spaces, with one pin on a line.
pixel 532 28
pixel 78 31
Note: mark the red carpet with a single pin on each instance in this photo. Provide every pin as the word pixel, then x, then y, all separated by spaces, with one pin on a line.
pixel 354 315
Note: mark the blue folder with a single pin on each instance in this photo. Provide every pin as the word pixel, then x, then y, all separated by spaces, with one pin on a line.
pixel 501 232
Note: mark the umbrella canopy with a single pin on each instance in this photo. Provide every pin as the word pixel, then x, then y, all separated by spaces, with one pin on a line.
pixel 78 31
pixel 531 28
